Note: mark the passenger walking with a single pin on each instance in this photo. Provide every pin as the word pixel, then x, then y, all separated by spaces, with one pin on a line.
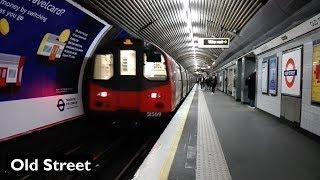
pixel 207 81
pixel 251 83
pixel 214 83
pixel 210 82
pixel 202 82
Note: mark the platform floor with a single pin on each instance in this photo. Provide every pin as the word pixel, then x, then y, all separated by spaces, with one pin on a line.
pixel 224 139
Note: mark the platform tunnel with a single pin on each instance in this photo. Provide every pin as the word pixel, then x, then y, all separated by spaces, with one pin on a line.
pixel 74 86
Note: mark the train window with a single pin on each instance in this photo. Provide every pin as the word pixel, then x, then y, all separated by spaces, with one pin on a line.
pixel 12 73
pixel 128 62
pixel 103 67
pixel 155 71
pixel 154 57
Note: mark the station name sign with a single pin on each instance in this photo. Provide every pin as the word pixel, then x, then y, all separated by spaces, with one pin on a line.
pixel 213 42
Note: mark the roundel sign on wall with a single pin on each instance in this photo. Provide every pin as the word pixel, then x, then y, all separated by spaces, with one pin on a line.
pixel 291 72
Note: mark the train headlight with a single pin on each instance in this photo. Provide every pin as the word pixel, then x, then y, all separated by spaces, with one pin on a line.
pixel 155 95
pixel 102 94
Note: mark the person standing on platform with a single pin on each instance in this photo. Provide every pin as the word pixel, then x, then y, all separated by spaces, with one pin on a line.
pixel 202 82
pixel 210 82
pixel 214 83
pixel 251 83
pixel 207 81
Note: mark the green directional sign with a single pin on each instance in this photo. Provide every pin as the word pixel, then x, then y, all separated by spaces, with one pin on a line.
pixel 213 42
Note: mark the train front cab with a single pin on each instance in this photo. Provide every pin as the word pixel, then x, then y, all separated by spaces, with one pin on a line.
pixel 130 80
pixel 157 99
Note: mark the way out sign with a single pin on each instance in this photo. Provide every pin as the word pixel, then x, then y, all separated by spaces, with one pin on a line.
pixel 213 43
pixel 291 72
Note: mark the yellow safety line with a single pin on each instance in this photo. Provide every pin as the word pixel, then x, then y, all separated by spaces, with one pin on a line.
pixel 174 146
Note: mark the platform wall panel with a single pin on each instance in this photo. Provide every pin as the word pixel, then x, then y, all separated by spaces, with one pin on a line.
pixel 310 113
pixel 265 102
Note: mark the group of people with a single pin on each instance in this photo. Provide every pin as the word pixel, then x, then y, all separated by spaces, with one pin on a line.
pixel 208 83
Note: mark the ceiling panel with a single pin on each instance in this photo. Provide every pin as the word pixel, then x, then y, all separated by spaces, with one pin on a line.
pixel 175 25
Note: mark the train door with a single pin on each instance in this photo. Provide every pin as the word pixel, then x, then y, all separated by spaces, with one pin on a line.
pixel 188 81
pixel 184 81
pixel 128 73
pixel 128 76
pixel 178 82
pixel 181 70
pixel 3 76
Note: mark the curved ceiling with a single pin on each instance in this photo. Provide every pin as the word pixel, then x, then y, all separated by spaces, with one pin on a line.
pixel 176 25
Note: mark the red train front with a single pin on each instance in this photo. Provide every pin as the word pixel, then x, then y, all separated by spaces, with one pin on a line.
pixel 134 77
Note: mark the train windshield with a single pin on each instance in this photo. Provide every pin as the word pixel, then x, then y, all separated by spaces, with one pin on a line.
pixel 154 70
pixel 103 67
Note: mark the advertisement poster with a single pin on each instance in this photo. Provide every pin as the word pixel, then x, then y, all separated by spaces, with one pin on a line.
pixel 264 76
pixel 315 87
pixel 291 72
pixel 273 75
pixel 42 47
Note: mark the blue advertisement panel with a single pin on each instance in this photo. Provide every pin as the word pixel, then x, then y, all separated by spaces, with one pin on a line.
pixel 273 75
pixel 42 47
pixel 264 77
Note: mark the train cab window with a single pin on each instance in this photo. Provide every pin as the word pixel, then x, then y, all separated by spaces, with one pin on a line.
pixel 12 73
pixel 103 67
pixel 154 68
pixel 128 63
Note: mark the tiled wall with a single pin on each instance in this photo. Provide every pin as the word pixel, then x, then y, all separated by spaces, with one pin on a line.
pixel 268 103
pixel 310 114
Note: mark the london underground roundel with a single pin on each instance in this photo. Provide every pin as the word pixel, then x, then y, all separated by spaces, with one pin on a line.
pixel 291 72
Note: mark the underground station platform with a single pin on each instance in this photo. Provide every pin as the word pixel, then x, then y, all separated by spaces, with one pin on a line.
pixel 160 89
pixel 214 137
pixel 210 137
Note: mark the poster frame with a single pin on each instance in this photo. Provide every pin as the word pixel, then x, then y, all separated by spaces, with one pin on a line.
pixel 266 61
pixel 277 74
pixel 301 70
pixel 314 103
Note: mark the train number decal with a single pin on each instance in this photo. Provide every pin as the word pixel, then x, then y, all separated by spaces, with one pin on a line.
pixel 153 114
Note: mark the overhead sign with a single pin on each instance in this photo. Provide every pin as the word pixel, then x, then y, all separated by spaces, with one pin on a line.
pixel 316 74
pixel 291 72
pixel 213 42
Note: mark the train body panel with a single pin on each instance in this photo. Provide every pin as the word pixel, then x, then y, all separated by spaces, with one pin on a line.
pixel 184 82
pixel 153 85
pixel 177 83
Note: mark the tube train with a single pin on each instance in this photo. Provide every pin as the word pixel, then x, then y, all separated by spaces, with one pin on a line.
pixel 135 77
